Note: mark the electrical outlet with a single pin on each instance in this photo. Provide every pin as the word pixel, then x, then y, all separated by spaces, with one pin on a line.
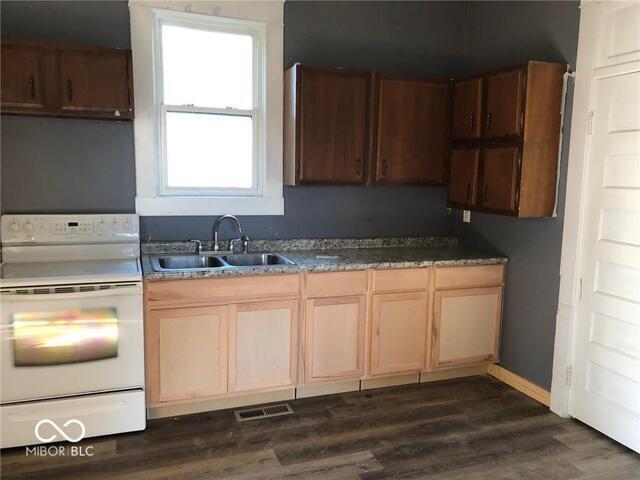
pixel 466 216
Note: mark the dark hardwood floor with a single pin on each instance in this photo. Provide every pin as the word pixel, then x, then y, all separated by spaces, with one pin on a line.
pixel 474 428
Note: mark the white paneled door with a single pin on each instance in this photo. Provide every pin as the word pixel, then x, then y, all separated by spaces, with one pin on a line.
pixel 606 371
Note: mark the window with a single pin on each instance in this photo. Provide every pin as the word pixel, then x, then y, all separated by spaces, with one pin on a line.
pixel 208 126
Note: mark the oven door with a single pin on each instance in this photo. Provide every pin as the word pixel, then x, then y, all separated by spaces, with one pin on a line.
pixel 62 341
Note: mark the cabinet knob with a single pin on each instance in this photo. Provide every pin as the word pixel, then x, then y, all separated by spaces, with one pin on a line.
pixel 32 86
pixel 488 121
pixel 358 166
pixel 69 90
pixel 385 166
pixel 471 121
pixel 484 192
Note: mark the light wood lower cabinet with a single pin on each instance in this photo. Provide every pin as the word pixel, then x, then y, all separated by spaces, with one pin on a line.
pixel 334 338
pixel 466 326
pixel 398 322
pixel 263 345
pixel 186 353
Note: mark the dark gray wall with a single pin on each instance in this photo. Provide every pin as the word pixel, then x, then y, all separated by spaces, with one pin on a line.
pixel 500 34
pixel 53 165
pixel 396 37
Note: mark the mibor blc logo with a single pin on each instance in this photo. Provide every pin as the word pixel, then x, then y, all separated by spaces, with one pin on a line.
pixel 63 433
pixel 47 431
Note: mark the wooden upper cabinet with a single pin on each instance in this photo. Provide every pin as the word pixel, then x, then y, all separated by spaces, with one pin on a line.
pixel 505 93
pixel 467 109
pixel 66 81
pixel 326 125
pixel 463 176
pixel 412 133
pixel 22 77
pixel 499 187
pixel 95 82
pixel 518 162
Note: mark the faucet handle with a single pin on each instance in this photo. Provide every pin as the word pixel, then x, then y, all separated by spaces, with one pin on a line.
pixel 198 246
pixel 245 243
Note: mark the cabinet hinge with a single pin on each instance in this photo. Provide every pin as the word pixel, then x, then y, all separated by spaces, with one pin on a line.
pixel 580 290
pixel 569 375
pixel 590 123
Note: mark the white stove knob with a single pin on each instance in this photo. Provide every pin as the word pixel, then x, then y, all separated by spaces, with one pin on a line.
pixel 14 226
pixel 114 226
pixel 101 226
pixel 28 226
pixel 127 227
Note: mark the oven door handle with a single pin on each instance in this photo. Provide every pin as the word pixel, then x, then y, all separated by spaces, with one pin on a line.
pixel 107 292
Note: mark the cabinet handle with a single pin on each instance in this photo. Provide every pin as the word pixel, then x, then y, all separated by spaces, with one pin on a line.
pixel 471 121
pixel 358 166
pixel 32 86
pixel 468 191
pixel 484 192
pixel 488 121
pixel 69 91
pixel 385 166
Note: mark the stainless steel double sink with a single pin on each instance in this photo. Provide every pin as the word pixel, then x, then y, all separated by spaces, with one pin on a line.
pixel 161 263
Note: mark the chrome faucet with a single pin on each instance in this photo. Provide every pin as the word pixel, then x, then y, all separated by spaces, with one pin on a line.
pixel 216 227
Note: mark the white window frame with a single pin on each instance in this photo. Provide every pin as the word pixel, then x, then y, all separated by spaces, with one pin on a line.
pixel 264 25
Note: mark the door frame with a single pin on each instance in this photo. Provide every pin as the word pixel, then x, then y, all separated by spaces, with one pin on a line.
pixel 572 260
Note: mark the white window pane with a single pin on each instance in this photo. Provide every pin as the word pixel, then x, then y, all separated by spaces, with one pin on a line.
pixel 206 68
pixel 209 151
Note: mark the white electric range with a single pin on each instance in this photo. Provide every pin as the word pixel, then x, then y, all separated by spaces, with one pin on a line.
pixel 72 327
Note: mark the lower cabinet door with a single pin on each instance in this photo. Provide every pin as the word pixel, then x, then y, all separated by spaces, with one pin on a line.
pixel 186 353
pixel 262 345
pixel 334 338
pixel 398 336
pixel 466 326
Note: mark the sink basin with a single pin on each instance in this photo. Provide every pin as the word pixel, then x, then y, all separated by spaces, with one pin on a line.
pixel 188 262
pixel 256 259
pixel 205 262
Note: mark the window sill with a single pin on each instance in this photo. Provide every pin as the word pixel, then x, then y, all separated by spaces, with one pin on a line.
pixel 170 206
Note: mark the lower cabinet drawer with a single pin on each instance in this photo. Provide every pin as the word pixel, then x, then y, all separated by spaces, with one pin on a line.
pixel 401 280
pixel 469 276
pixel 335 284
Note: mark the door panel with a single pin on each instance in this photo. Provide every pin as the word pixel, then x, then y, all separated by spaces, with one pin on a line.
pixel 467 108
pixel 466 326
pixel 412 139
pixel 500 172
pixel 606 389
pixel 22 76
pixel 333 127
pixel 262 345
pixel 182 335
pixel 505 94
pixel 334 338
pixel 95 81
pixel 398 332
pixel 463 176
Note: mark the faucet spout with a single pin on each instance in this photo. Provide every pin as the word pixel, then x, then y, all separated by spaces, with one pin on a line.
pixel 216 227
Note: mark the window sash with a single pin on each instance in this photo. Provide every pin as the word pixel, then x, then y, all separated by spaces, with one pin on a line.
pixel 257 33
pixel 165 189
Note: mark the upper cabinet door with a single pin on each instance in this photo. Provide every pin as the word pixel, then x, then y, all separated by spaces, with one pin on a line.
pixel 96 82
pixel 499 178
pixel 22 77
pixel 412 133
pixel 467 108
pixel 505 94
pixel 463 176
pixel 333 129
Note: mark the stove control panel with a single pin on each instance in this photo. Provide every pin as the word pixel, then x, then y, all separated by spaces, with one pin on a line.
pixel 62 229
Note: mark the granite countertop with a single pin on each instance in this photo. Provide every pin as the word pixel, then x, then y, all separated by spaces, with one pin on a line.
pixel 329 255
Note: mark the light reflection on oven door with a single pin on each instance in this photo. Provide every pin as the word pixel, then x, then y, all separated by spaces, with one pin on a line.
pixel 64 336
